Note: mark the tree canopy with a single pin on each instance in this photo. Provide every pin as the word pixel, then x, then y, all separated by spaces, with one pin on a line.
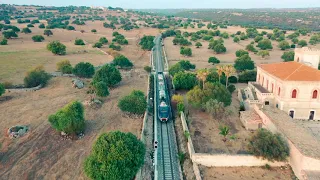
pixel 184 80
pixel 115 155
pixel 265 44
pixel 2 89
pixel 122 61
pixel 213 60
pixel 147 43
pixel 134 103
pixel 37 38
pixel 107 74
pixel 35 77
pixel 185 51
pixel 288 56
pixel 244 63
pixel 56 47
pixel 241 52
pixel 83 69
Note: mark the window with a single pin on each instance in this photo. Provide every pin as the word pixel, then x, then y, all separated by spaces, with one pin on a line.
pixel 294 94
pixel 291 113
pixel 267 84
pixel 259 78
pixel 272 87
pixel 262 81
pixel 279 91
pixel 315 94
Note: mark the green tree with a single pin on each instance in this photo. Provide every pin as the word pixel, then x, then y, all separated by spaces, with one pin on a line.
pixel 57 48
pixel 4 42
pixel 83 69
pixel 42 26
pixel 175 69
pixel 148 69
pixel 107 74
pixel 265 44
pixel 224 131
pixel 241 52
pixel 244 63
pixel 213 60
pixel 64 66
pixel 79 42
pixel 186 65
pixel 251 48
pixel 2 89
pixel 214 107
pixel 37 38
pixel 93 30
pixel 147 43
pixel 115 155
pixel 47 32
pixel 115 47
pixel 35 77
pixel 263 53
pixel 220 48
pixel 97 45
pixel 269 146
pixel 134 103
pixel 26 30
pixel 295 40
pixel 9 34
pixel 288 56
pixel 103 40
pixel 247 75
pixel 199 96
pixel 236 39
pixel 122 62
pixel 185 51
pixel 101 89
pixel 283 45
pixel 258 38
pixel 198 44
pixel 69 119
pixel 184 80
pixel 302 43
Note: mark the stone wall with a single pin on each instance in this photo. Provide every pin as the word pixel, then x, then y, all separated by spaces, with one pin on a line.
pixel 24 89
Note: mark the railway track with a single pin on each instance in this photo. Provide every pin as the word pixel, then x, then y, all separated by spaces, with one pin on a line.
pixel 166 152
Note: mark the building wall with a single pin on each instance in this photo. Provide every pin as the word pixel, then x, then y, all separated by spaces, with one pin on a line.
pixel 307 56
pixel 301 105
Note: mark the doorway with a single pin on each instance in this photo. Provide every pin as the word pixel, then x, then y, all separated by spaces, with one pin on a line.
pixel 311 116
pixel 291 113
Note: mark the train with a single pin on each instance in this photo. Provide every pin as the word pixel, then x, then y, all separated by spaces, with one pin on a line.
pixel 163 99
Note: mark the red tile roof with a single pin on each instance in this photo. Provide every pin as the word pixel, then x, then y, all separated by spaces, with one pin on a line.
pixel 292 71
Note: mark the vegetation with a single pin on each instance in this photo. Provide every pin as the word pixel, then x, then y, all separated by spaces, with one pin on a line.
pixel 42 26
pixel 198 44
pixel 4 42
pixel 134 103
pixel 283 45
pixel 101 89
pixel 64 66
pixel 185 51
pixel 214 107
pixel 263 53
pixel 103 40
pixel 79 42
pixel 2 89
pixel 241 52
pixel 37 38
pixel 122 62
pixel 107 74
pixel 35 77
pixel 247 75
pixel 147 43
pixel 97 45
pixel 26 30
pixel 115 47
pixel 184 80
pixel 224 131
pixel 57 48
pixel 47 32
pixel 213 60
pixel 114 156
pixel 251 48
pixel 9 34
pixel 269 146
pixel 244 63
pixel 69 119
pixel 288 56
pixel 302 43
pixel 83 69
pixel 265 44
pixel 148 69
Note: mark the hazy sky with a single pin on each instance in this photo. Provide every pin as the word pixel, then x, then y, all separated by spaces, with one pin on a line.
pixel 161 4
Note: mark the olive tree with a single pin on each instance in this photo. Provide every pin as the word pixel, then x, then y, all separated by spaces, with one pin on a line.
pixel 134 103
pixel 108 74
pixel 64 66
pixel 69 119
pixel 47 32
pixel 122 61
pixel 83 69
pixel 57 48
pixel 36 77
pixel 37 38
pixel 115 155
pixel 288 56
pixel 184 80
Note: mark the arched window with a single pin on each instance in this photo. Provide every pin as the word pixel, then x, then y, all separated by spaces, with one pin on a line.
pixel 272 87
pixel 294 94
pixel 262 81
pixel 279 91
pixel 315 94
pixel 267 84
pixel 259 78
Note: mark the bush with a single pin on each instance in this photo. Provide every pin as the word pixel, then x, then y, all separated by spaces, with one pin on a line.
pixel 69 119
pixel 134 103
pixel 147 43
pixel 107 74
pixel 288 56
pixel 57 48
pixel 103 40
pixel 35 77
pixel 186 81
pixel 30 25
pixel 4 42
pixel 97 45
pixel 115 156
pixel 9 34
pixel 147 69
pixel 79 42
pixel 115 47
pixel 251 48
pixel 83 69
pixel 2 89
pixel 64 67
pixel 101 89
pixel 180 107
pixel 70 28
pixel 94 30
pixel 244 63
pixel 247 75
pixel 231 88
pixel 269 146
pixel 198 44
pixel 175 69
pixel 186 65
pixel 185 51
pixel 283 45
pixel 220 48
pixel 37 38
pixel 47 32
pixel 265 44
pixel 213 60
pixel 302 43
pixel 26 30
pixel 122 62
pixel 42 26
pixel 241 52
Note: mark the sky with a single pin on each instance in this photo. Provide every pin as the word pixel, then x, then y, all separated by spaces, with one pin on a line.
pixel 174 4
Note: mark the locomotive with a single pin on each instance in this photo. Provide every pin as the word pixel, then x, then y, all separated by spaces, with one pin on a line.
pixel 163 109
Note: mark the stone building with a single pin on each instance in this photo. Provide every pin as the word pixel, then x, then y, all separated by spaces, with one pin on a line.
pixel 293 87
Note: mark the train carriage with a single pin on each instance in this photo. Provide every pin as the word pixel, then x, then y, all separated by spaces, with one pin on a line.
pixel 163 109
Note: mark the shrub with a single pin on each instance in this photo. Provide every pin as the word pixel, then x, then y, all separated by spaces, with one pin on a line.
pixel 241 52
pixel 70 28
pixel 35 77
pixel 186 65
pixel 37 38
pixel 263 53
pixel 42 26
pixel 57 48
pixel 236 39
pixel 185 51
pixel 183 80
pixel 247 75
pixel 265 44
pixel 122 62
pixel 147 43
pixel 134 103
pixel 231 88
pixel 115 47
pixel 269 146
pixel 180 107
pixel 2 89
pixel 9 34
pixel 26 30
pixel 214 107
pixel 97 45
pixel 115 156
pixel 4 42
pixel 220 48
pixel 79 42
pixel 64 66
pixel 47 32
pixel 147 69
pixel 94 30
pixel 198 44
pixel 213 60
pixel 101 89
pixel 175 69
pixel 30 25
pixel 69 119
pixel 103 40
pixel 244 63
pixel 83 69
pixel 283 45
pixel 288 56
pixel 251 48
pixel 107 74
pixel 302 43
